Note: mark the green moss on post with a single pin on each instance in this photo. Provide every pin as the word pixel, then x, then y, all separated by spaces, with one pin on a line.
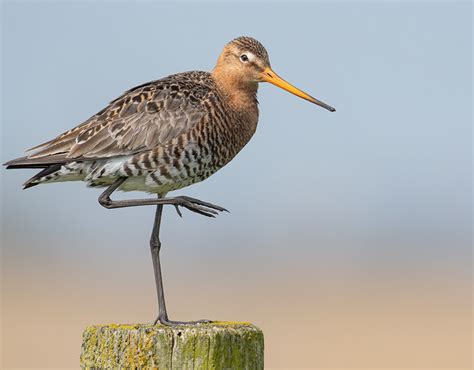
pixel 217 345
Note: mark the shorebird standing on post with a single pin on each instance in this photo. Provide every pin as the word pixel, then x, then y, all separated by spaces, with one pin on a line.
pixel 162 136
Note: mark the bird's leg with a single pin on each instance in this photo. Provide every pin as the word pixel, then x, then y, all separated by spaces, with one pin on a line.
pixel 155 246
pixel 194 205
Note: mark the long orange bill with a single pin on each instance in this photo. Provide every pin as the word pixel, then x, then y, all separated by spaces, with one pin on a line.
pixel 269 76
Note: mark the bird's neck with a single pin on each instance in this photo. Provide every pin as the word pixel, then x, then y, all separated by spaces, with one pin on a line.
pixel 240 95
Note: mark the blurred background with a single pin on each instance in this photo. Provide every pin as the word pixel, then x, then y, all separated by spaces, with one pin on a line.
pixel 349 237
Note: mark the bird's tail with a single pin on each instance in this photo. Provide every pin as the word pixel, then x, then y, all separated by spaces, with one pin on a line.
pixel 48 166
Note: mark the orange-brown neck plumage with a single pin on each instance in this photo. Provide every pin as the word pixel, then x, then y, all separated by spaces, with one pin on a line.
pixel 240 94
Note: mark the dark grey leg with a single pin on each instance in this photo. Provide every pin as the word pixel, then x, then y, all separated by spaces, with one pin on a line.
pixel 155 246
pixel 194 205
pixel 155 243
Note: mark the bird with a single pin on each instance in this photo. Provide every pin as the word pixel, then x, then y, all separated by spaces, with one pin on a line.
pixel 162 136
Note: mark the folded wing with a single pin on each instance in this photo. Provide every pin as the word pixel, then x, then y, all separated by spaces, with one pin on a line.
pixel 141 119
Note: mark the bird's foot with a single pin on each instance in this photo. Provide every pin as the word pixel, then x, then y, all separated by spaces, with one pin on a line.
pixel 197 206
pixel 167 322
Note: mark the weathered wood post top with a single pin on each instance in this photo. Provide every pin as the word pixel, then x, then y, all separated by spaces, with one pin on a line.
pixel 217 345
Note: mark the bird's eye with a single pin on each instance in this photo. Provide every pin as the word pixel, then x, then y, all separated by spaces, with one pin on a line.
pixel 244 58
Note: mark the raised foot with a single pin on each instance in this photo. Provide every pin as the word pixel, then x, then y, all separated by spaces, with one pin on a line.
pixel 197 206
pixel 176 323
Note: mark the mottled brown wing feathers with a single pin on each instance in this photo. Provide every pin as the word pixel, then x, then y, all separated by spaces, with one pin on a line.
pixel 141 119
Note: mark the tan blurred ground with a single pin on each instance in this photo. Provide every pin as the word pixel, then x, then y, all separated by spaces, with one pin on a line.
pixel 417 323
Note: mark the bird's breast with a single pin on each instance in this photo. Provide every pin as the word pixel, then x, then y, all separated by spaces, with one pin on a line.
pixel 228 134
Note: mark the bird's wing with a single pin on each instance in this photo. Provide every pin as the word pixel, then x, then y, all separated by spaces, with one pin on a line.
pixel 143 118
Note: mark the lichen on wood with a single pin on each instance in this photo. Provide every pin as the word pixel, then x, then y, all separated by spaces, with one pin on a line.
pixel 217 345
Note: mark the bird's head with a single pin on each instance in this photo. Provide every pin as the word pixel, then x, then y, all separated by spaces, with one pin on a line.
pixel 244 63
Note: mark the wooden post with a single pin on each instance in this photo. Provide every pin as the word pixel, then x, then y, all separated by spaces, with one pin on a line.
pixel 219 345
